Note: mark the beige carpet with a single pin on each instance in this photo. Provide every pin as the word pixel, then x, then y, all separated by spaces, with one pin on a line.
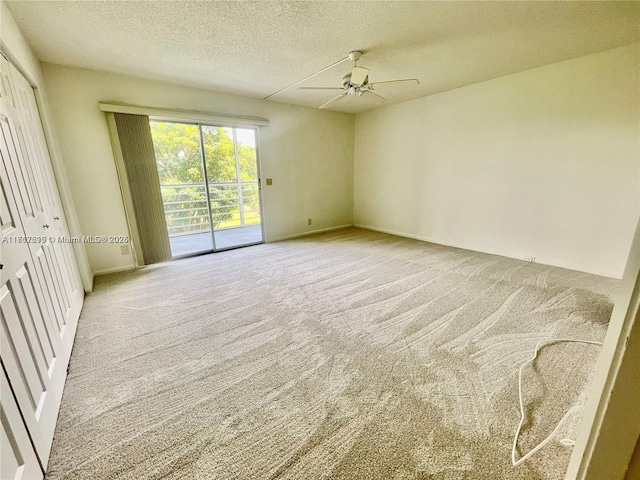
pixel 347 355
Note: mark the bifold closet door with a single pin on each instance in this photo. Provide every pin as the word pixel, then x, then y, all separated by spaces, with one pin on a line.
pixel 40 290
pixel 31 340
pixel 70 292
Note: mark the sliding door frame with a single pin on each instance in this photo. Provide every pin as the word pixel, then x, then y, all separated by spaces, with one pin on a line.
pixel 235 153
pixel 203 159
pixel 199 119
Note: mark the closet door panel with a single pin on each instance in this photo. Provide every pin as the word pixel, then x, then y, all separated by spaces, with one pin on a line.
pixel 21 164
pixel 31 342
pixel 35 147
pixel 40 290
pixel 19 461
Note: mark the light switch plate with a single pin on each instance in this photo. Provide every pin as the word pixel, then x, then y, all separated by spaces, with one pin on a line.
pixel 269 181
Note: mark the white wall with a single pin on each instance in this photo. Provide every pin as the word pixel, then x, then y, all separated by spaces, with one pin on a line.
pixel 307 152
pixel 17 49
pixel 14 43
pixel 542 163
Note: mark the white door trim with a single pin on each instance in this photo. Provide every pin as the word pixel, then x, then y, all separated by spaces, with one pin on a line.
pixel 610 423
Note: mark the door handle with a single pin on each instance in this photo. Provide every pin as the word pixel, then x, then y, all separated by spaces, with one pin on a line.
pixel 45 225
pixel 56 218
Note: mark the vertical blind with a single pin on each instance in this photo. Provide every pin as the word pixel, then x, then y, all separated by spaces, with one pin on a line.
pixel 136 145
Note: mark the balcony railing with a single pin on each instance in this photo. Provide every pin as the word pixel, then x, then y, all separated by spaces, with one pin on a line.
pixel 232 205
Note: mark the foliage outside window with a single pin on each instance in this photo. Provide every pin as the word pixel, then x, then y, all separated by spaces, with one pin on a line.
pixel 233 188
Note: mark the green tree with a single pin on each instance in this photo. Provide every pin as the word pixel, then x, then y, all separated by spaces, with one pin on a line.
pixel 177 149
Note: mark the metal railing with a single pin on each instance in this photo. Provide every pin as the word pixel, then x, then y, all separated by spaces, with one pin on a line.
pixel 232 205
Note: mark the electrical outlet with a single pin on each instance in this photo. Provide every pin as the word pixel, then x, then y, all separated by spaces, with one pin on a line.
pixel 124 249
pixel 308 221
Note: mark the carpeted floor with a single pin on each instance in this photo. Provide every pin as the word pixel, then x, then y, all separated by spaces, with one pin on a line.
pixel 346 355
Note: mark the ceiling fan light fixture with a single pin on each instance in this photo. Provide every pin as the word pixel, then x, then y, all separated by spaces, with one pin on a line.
pixel 359 75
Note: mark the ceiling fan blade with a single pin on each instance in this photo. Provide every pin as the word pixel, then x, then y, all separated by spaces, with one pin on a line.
pixel 406 81
pixel 320 88
pixel 374 93
pixel 334 99
pixel 307 77
pixel 359 75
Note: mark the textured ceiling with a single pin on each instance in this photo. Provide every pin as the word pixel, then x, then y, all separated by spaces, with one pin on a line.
pixel 257 48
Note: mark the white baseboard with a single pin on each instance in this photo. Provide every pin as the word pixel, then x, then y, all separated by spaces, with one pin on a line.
pixel 545 261
pixel 107 271
pixel 312 232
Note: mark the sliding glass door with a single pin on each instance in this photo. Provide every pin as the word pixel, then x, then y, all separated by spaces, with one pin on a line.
pixel 210 188
pixel 179 162
pixel 232 176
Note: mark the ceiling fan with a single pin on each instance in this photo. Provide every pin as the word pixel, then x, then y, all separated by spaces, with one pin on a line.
pixel 357 82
